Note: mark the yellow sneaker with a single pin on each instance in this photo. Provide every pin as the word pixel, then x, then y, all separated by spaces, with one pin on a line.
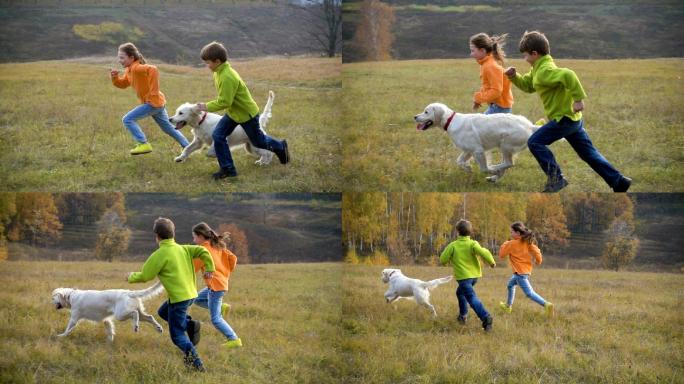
pixel 505 307
pixel 548 307
pixel 141 149
pixel 225 308
pixel 237 343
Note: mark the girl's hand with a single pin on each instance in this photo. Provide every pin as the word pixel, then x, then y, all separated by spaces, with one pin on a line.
pixel 202 107
pixel 208 275
pixel 128 275
pixel 113 73
pixel 476 105
pixel 510 72
pixel 578 106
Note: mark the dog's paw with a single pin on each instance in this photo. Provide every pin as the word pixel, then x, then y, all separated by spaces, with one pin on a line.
pixel 160 329
pixel 136 328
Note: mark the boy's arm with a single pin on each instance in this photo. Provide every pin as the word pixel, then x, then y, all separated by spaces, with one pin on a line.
pixel 484 254
pixel 197 251
pixel 121 82
pixel 445 257
pixel 150 270
pixel 566 77
pixel 153 78
pixel 492 89
pixel 534 250
pixel 523 82
pixel 226 93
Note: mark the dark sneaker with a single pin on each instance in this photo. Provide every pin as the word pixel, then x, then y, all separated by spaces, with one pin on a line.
pixel 193 362
pixel 487 323
pixel 284 155
pixel 622 185
pixel 194 331
pixel 462 319
pixel 223 173
pixel 555 185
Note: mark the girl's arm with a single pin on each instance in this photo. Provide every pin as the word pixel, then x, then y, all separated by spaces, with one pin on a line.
pixel 231 258
pixel 536 253
pixel 503 251
pixel 121 82
pixel 492 86
pixel 153 79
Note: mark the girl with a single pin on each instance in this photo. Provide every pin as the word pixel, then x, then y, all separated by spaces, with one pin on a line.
pixel 145 79
pixel 519 250
pixel 211 297
pixel 496 88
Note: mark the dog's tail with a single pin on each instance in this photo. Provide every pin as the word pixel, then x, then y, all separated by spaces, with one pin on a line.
pixel 437 282
pixel 265 116
pixel 148 293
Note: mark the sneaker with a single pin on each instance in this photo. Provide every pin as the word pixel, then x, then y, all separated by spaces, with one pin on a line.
pixel 623 184
pixel 505 307
pixel 462 319
pixel 141 149
pixel 237 343
pixel 553 186
pixel 225 308
pixel 487 323
pixel 194 331
pixel 193 362
pixel 548 307
pixel 284 155
pixel 223 173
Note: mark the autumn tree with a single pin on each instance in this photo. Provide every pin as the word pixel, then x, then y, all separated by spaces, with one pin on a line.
pixel 622 244
pixel 236 242
pixel 113 236
pixel 35 220
pixel 545 216
pixel 364 219
pixel 374 34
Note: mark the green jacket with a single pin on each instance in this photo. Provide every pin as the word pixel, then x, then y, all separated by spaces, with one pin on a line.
pixel 462 255
pixel 558 88
pixel 172 263
pixel 233 95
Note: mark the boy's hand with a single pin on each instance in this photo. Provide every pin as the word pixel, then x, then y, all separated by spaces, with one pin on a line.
pixel 492 265
pixel 476 105
pixel 113 73
pixel 578 106
pixel 128 275
pixel 202 107
pixel 510 72
pixel 208 275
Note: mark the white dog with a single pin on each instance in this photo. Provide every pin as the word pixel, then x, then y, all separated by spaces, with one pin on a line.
pixel 203 124
pixel 475 134
pixel 402 287
pixel 121 304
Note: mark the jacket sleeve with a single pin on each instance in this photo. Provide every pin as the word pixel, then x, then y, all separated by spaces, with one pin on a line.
pixel 226 94
pixel 231 259
pixel 445 257
pixel 198 264
pixel 534 250
pixel 150 270
pixel 121 82
pixel 153 78
pixel 483 253
pixel 492 86
pixel 196 251
pixel 562 76
pixel 523 82
pixel 503 251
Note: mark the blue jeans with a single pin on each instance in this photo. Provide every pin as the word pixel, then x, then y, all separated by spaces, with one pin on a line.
pixel 212 300
pixel 574 133
pixel 524 282
pixel 494 108
pixel 176 315
pixel 465 293
pixel 159 115
pixel 257 136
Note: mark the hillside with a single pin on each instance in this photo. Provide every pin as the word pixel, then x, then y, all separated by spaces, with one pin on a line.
pixel 591 30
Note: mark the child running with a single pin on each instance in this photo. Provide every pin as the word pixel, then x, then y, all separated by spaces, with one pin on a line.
pixel 496 88
pixel 520 251
pixel 462 254
pixel 145 80
pixel 211 296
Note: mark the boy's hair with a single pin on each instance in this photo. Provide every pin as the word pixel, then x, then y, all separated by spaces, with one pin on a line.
pixel 164 228
pixel 493 44
pixel 525 233
pixel 217 241
pixel 132 51
pixel 534 41
pixel 214 51
pixel 464 228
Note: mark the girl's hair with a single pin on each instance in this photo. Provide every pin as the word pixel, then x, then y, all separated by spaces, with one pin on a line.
pixel 217 241
pixel 464 228
pixel 525 233
pixel 493 44
pixel 132 51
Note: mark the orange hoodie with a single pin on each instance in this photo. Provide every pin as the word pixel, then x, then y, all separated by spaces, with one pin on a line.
pixel 145 80
pixel 496 88
pixel 224 262
pixel 520 253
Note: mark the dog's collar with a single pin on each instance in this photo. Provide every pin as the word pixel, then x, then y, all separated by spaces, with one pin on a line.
pixel 202 119
pixel 449 120
pixel 391 273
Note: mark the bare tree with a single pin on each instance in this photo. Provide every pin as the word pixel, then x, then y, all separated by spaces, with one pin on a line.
pixel 326 24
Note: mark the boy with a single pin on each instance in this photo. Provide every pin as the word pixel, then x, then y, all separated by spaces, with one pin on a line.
pixel 562 95
pixel 462 254
pixel 172 263
pixel 241 109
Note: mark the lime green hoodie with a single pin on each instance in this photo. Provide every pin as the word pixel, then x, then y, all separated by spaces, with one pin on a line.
pixel 233 95
pixel 462 255
pixel 558 88
pixel 172 263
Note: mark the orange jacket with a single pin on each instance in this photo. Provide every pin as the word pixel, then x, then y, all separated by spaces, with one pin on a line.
pixel 520 254
pixel 496 88
pixel 145 80
pixel 224 263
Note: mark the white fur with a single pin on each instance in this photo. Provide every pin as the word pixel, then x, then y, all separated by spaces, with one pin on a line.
pixel 188 114
pixel 120 304
pixel 475 134
pixel 402 287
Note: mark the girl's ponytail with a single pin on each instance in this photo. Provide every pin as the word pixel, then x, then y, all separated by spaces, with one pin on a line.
pixel 493 45
pixel 131 50
pixel 525 233
pixel 205 230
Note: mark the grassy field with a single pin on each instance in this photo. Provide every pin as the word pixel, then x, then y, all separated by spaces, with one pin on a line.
pixel 609 327
pixel 632 114
pixel 62 130
pixel 287 316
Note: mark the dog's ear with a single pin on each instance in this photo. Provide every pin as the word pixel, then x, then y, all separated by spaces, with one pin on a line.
pixel 194 109
pixel 438 114
pixel 64 298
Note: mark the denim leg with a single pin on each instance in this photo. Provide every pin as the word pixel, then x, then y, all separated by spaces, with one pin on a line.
pixel 495 108
pixel 525 285
pixel 470 296
pixel 225 127
pixel 215 300
pixel 462 302
pixel 258 138
pixel 178 323
pixel 130 121
pixel 162 118
pixel 511 289
pixel 163 311
pixel 581 143
pixel 546 135
pixel 202 298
